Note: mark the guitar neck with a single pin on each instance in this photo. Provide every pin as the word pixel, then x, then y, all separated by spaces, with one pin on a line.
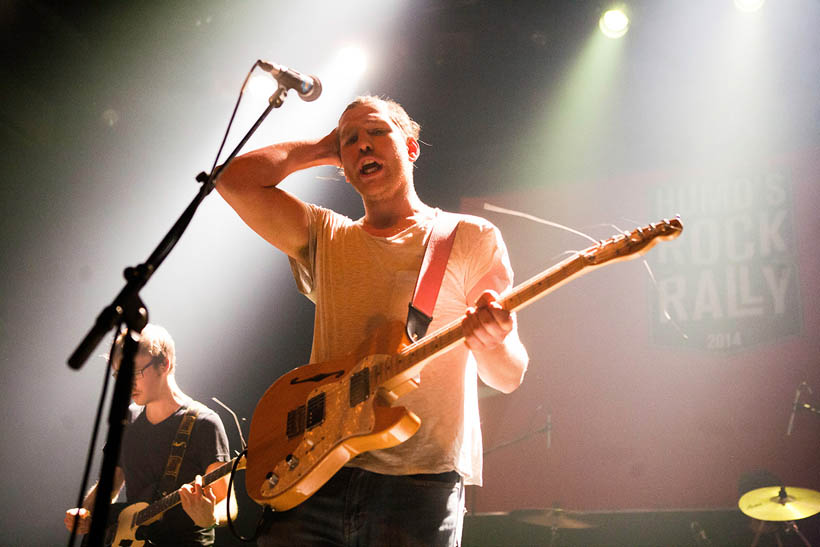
pixel 518 298
pixel 624 246
pixel 172 499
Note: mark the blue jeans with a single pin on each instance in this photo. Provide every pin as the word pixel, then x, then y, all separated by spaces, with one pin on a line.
pixel 364 509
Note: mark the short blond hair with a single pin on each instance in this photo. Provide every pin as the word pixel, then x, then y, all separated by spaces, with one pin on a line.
pixel 397 113
pixel 155 341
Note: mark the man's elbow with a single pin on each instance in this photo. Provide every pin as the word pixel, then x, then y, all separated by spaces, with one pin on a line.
pixel 514 380
pixel 507 377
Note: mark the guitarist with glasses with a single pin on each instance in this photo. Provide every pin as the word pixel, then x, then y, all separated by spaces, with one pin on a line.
pixel 361 274
pixel 162 420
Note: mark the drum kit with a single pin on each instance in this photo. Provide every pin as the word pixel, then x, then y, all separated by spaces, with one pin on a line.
pixel 775 507
pixel 785 504
pixel 782 504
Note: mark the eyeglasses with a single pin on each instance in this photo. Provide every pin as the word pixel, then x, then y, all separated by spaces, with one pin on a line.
pixel 139 373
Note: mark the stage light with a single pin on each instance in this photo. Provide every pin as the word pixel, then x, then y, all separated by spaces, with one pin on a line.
pixel 749 6
pixel 110 117
pixel 614 23
pixel 353 59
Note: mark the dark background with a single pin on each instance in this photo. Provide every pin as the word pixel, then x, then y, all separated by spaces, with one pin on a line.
pixel 110 109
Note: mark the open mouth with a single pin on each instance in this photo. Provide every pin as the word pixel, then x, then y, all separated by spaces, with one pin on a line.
pixel 370 167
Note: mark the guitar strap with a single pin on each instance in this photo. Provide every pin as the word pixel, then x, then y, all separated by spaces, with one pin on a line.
pixel 169 479
pixel 431 274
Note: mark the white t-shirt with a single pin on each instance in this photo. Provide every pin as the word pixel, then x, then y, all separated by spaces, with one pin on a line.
pixel 360 282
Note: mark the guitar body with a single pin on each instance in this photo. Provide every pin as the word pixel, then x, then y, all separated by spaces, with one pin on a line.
pixel 125 533
pixel 317 417
pixel 122 529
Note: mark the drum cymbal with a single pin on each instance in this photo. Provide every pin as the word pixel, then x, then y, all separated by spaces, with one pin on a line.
pixel 780 503
pixel 552 518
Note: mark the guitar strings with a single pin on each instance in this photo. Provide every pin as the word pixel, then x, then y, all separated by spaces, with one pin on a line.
pixel 652 278
pixel 511 212
pixel 496 209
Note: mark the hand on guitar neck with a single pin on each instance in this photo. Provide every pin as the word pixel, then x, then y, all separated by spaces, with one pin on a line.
pixel 200 502
pixel 486 326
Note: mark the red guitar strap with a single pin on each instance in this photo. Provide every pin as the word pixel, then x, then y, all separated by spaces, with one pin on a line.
pixel 431 275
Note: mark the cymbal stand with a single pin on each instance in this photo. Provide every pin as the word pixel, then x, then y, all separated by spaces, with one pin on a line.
pixel 553 535
pixel 791 526
pixel 788 526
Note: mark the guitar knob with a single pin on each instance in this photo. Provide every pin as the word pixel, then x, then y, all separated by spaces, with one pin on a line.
pixel 271 480
pixel 292 461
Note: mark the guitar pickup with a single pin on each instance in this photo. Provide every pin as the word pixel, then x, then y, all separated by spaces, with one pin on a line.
pixel 359 387
pixel 306 417
pixel 296 421
pixel 315 411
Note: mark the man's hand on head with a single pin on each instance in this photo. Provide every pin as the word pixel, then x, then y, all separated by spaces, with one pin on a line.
pixel 329 147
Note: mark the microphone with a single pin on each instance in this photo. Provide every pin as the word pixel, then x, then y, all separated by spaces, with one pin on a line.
pixel 308 87
pixel 548 427
pixel 794 406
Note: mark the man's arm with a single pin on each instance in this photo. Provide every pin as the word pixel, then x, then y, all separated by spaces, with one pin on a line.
pixel 207 505
pixel 491 333
pixel 249 183
pixel 84 521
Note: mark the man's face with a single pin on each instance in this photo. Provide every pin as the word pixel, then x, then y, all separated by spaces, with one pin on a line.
pixel 376 155
pixel 148 373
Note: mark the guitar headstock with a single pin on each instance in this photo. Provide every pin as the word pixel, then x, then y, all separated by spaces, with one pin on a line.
pixel 632 244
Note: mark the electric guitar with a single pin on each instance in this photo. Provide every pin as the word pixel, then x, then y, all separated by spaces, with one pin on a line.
pixel 317 417
pixel 129 518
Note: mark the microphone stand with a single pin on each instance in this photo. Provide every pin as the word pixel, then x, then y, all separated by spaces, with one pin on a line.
pixel 128 309
pixel 546 429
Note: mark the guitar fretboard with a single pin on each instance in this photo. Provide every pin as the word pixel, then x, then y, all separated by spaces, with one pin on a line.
pixel 625 246
pixel 416 354
pixel 172 499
